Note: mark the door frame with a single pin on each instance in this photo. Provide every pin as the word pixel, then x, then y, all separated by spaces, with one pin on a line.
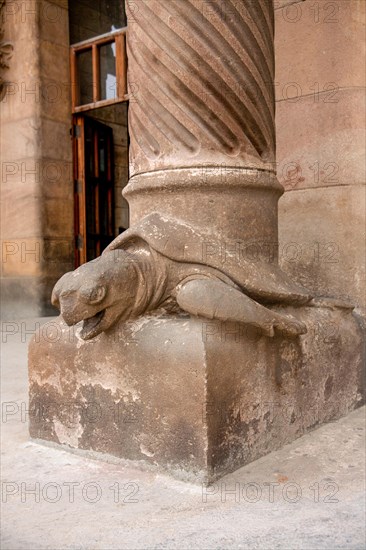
pixel 80 186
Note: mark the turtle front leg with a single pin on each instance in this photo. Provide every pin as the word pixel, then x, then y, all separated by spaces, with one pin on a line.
pixel 216 300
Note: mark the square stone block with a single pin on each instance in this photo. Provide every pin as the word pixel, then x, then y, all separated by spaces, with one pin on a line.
pixel 54 22
pixel 188 396
pixel 321 143
pixel 21 138
pixel 14 224
pixel 319 247
pixel 325 37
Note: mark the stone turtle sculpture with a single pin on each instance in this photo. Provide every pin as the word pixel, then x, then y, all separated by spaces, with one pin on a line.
pixel 159 263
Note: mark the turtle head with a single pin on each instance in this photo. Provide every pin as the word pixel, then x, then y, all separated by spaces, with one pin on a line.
pixel 98 293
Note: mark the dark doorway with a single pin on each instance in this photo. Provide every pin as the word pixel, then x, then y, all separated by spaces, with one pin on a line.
pixel 94 188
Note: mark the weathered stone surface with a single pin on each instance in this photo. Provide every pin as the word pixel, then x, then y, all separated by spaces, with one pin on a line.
pixel 14 225
pixel 31 177
pixel 23 255
pixel 320 119
pixel 319 247
pixel 28 147
pixel 194 397
pixel 54 24
pixel 322 143
pixel 319 46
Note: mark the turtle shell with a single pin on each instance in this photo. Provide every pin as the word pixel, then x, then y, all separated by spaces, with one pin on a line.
pixel 178 241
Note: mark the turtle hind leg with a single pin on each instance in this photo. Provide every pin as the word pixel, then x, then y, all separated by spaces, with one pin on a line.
pixel 216 300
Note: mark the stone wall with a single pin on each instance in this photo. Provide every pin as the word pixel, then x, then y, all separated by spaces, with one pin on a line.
pixel 36 179
pixel 320 85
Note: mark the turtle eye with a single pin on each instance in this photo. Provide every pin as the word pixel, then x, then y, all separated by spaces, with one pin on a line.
pixel 93 295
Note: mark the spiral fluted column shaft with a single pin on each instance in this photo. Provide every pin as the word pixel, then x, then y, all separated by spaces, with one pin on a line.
pixel 201 84
pixel 201 115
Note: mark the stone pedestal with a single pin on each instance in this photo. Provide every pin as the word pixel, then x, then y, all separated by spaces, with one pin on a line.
pixel 193 397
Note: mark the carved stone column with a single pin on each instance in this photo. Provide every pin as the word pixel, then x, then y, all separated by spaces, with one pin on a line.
pixel 197 354
pixel 202 114
pixel 203 79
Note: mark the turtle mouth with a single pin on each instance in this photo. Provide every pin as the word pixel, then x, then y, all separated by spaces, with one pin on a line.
pixel 91 326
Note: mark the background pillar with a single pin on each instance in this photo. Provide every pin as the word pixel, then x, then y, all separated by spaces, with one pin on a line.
pixel 320 92
pixel 37 234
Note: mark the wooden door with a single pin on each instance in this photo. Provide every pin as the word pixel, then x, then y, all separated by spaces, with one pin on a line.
pixel 94 188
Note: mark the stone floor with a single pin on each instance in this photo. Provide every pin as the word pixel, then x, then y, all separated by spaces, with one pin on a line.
pixel 309 495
